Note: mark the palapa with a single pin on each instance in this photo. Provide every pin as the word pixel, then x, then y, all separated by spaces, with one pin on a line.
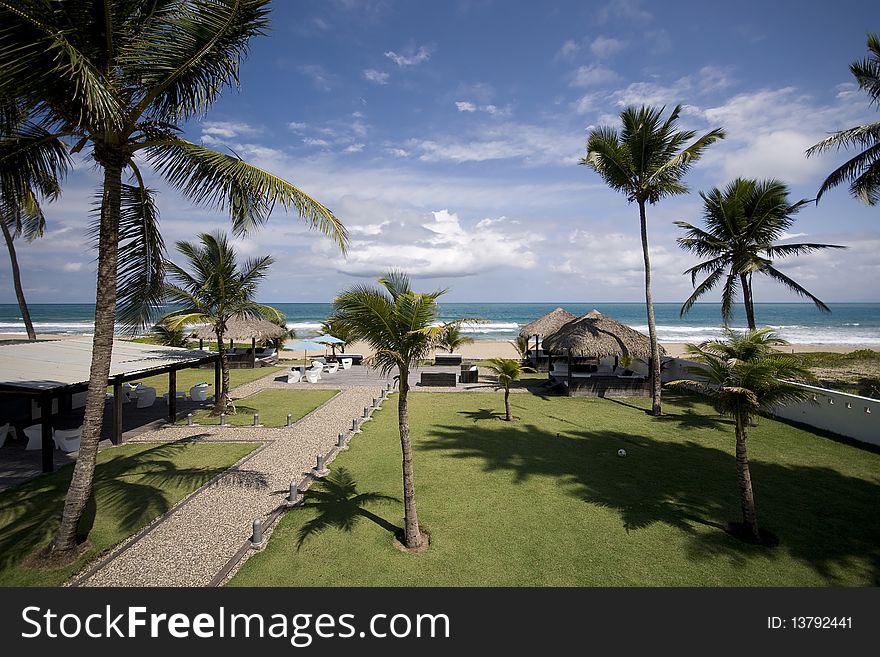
pixel 597 335
pixel 243 327
pixel 549 323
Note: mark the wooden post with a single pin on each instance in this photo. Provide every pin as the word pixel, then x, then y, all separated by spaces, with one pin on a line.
pixel 569 372
pixel 201 343
pixel 172 396
pixel 253 353
pixel 116 436
pixel 218 381
pixel 46 428
pixel 231 344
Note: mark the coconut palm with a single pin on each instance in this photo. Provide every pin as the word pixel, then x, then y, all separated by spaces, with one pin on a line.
pixel 862 172
pixel 646 160
pixel 521 344
pixel 743 222
pixel 332 326
pixel 168 336
pixel 216 288
pixel 116 79
pixel 451 337
pixel 508 370
pixel 399 325
pixel 743 376
pixel 31 164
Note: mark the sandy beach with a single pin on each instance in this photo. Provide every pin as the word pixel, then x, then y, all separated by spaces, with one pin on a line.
pixel 481 349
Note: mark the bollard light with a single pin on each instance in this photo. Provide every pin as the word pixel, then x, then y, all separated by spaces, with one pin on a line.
pixel 189 419
pixel 222 419
pixel 256 419
pixel 289 421
pixel 340 440
pixel 320 463
pixel 366 412
pixel 293 498
pixel 354 424
pixel 257 536
pixel 375 402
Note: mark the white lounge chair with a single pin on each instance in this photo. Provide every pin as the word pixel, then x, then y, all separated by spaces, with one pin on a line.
pixel 5 430
pixel 312 376
pixel 331 368
pixel 146 396
pixel 67 440
pixel 129 392
pixel 346 363
pixel 318 362
pixel 199 392
pixel 34 435
pixel 294 376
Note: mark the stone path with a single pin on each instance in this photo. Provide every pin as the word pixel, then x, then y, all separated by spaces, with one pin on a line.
pixel 192 544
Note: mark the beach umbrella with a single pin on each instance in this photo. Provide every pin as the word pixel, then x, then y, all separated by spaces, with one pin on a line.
pixel 329 339
pixel 305 345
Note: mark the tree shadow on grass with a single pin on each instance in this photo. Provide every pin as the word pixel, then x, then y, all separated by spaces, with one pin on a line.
pixel 128 488
pixel 338 504
pixel 823 518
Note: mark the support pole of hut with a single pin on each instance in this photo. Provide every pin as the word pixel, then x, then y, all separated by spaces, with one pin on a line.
pixel 570 392
pixel 253 353
pixel 201 343
pixel 172 395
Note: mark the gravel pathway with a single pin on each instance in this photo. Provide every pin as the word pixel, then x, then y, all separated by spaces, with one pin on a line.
pixel 191 545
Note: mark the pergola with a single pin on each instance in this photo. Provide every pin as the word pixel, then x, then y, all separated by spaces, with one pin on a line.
pixel 55 370
pixel 243 327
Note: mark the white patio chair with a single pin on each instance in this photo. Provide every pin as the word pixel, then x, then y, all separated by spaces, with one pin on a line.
pixel 129 392
pixel 312 376
pixel 294 376
pixel 34 435
pixel 5 430
pixel 199 392
pixel 318 362
pixel 346 363
pixel 331 368
pixel 67 440
pixel 146 396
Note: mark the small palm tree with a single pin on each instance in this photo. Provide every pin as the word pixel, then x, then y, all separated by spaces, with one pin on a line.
pixel 862 172
pixel 399 325
pixel 646 161
pixel 31 164
pixel 744 376
pixel 217 288
pixel 521 344
pixel 508 371
pixel 451 337
pixel 332 326
pixel 168 336
pixel 743 223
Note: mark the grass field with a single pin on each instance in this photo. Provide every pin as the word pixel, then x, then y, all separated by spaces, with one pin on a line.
pixel 133 485
pixel 546 501
pixel 273 407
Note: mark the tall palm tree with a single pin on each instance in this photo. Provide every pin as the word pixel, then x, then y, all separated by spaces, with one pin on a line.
pixel 31 164
pixel 508 370
pixel 646 160
pixel 742 225
pixel 451 337
pixel 399 326
pixel 216 288
pixel 862 172
pixel 332 326
pixel 743 376
pixel 116 78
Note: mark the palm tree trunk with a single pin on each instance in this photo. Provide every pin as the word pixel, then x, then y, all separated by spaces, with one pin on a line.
pixel 412 534
pixel 748 302
pixel 747 497
pixel 80 490
pixel 221 397
pixel 16 282
pixel 652 327
pixel 508 416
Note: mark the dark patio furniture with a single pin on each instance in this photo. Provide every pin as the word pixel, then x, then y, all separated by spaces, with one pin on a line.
pixel 469 374
pixel 447 359
pixel 440 379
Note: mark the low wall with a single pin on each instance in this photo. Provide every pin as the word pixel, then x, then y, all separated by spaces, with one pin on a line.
pixel 839 412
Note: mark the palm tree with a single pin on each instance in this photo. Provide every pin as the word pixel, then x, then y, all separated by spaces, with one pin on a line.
pixel 31 164
pixel 521 344
pixel 743 223
pixel 399 326
pixel 168 336
pixel 216 288
pixel 743 376
pixel 646 160
pixel 508 371
pixel 862 172
pixel 332 326
pixel 116 79
pixel 451 337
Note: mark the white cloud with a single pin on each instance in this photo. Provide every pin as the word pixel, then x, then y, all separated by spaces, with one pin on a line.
pixel 321 78
pixel 379 77
pixel 353 148
pixel 592 75
pixel 322 143
pixel 465 106
pixel 397 152
pixel 568 50
pixel 423 54
pixel 72 266
pixel 603 46
pixel 493 110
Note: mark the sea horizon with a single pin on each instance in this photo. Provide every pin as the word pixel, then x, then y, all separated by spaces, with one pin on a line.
pixel 856 323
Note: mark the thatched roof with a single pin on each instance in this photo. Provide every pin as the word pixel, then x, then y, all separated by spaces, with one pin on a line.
pixel 597 335
pixel 242 327
pixel 549 323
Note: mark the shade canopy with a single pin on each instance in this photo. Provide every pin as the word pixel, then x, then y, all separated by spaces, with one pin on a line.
pixel 243 327
pixel 597 335
pixel 549 323
pixel 328 339
pixel 305 345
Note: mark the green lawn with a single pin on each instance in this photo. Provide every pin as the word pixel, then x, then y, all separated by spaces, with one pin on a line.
pixel 272 405
pixel 186 379
pixel 133 485
pixel 546 501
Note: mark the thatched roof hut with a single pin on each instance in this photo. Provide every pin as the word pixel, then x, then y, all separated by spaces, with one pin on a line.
pixel 243 327
pixel 549 323
pixel 597 335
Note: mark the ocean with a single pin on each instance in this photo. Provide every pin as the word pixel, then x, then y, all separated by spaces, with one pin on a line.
pixel 799 323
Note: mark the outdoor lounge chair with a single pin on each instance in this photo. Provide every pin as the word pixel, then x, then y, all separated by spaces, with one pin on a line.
pixel 5 430
pixel 129 392
pixel 345 362
pixel 199 392
pixel 67 440
pixel 146 396
pixel 331 368
pixel 34 435
pixel 294 376
pixel 312 376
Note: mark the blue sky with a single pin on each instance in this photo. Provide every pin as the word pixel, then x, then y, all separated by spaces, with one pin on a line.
pixel 446 135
